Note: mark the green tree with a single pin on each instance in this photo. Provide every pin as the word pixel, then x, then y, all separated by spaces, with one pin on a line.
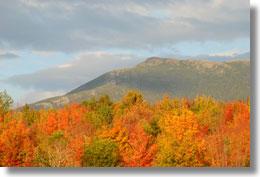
pixel 5 103
pixel 101 111
pixel 101 153
pixel 208 111
pixel 152 128
pixel 29 115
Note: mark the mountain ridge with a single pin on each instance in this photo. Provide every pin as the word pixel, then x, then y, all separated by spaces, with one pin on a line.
pixel 158 76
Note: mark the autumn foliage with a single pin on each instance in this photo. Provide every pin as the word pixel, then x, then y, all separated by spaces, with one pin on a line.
pixel 201 132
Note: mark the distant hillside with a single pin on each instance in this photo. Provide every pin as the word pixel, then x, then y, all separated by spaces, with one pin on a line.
pixel 159 76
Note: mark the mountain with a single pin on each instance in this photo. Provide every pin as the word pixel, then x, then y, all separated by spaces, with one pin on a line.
pixel 156 77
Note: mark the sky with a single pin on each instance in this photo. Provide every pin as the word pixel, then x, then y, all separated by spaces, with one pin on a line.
pixel 50 47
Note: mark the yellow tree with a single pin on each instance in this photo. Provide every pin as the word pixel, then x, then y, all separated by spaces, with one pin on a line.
pixel 179 143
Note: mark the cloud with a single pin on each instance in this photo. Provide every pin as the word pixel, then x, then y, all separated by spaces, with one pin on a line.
pixel 73 26
pixel 8 55
pixel 85 67
pixel 224 56
pixel 65 65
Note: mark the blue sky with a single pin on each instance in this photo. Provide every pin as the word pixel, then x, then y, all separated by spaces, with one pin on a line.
pixel 49 47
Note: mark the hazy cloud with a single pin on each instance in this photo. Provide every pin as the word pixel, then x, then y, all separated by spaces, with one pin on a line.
pixel 67 76
pixel 8 55
pixel 70 26
pixel 35 95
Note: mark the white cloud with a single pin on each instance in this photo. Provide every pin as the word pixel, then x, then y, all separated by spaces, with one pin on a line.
pixel 230 53
pixel 65 66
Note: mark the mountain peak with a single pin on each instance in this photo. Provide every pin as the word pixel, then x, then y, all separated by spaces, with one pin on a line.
pixel 178 78
pixel 153 60
pixel 157 61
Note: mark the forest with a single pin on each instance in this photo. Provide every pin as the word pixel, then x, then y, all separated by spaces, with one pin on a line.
pixel 131 132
